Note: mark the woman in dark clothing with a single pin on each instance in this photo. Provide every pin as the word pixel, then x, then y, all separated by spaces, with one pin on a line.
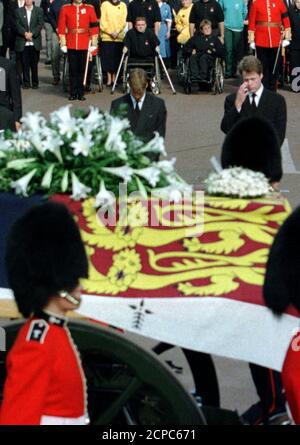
pixel 203 47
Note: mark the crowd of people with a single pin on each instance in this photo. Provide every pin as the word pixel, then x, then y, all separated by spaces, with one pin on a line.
pixel 269 27
pixel 142 28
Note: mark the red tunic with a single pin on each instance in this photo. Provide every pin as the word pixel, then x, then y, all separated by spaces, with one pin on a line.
pixel 291 378
pixel 273 12
pixel 76 25
pixel 44 376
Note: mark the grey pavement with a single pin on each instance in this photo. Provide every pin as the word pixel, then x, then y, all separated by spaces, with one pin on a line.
pixel 193 136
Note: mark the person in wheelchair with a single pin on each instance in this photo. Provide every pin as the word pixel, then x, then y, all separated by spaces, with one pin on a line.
pixel 140 42
pixel 202 50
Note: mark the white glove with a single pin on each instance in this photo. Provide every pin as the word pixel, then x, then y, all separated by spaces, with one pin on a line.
pixel 157 50
pixel 252 45
pixel 285 43
pixel 125 50
pixel 93 48
pixel 64 49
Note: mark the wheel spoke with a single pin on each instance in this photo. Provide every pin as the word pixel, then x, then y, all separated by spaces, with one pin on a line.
pixel 108 415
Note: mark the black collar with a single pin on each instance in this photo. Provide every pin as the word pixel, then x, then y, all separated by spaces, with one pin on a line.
pixel 51 318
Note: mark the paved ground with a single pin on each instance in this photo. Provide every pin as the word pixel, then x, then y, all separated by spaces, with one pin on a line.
pixel 193 136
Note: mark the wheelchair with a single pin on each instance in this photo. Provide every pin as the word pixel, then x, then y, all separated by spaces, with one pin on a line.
pixel 216 76
pixel 150 66
pixel 96 76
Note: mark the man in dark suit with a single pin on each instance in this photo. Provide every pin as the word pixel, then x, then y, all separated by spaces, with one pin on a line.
pixel 28 23
pixel 10 95
pixel 145 112
pixel 253 99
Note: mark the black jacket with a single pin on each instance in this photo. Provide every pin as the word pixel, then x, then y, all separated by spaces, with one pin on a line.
pixel 272 107
pixel 153 116
pixel 35 26
pixel 7 119
pixel 144 8
pixel 141 44
pixel 210 10
pixel 11 97
pixel 54 11
pixel 205 44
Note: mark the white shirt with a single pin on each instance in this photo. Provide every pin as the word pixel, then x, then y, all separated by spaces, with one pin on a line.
pixel 28 13
pixel 140 102
pixel 258 94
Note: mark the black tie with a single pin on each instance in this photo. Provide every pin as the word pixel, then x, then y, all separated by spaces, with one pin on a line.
pixel 253 104
pixel 137 108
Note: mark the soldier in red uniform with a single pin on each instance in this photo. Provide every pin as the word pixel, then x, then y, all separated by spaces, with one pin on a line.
pixel 266 20
pixel 77 24
pixel 282 291
pixel 45 258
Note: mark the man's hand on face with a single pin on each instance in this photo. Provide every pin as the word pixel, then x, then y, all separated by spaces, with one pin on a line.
pixel 241 96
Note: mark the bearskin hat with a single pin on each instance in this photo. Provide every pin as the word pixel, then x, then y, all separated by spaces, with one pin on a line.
pixel 282 280
pixel 44 255
pixel 253 143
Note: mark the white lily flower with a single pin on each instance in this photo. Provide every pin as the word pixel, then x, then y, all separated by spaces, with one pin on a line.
pixel 67 124
pixel 5 145
pixel 169 193
pixel 151 174
pixel 33 122
pixel 156 145
pixel 104 198
pixel 65 181
pixel 114 139
pixel 21 184
pixel 82 144
pixel 47 178
pixel 20 144
pixel 178 183
pixel 124 172
pixel 94 120
pixel 52 142
pixel 167 166
pixel 37 142
pixel 19 164
pixel 79 190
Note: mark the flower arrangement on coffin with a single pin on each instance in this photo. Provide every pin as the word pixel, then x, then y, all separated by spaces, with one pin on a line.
pixel 238 182
pixel 84 155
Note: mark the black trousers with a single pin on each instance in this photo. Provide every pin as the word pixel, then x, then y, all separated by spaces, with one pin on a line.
pixel 267 56
pixel 269 389
pixel 200 65
pixel 77 61
pixel 30 59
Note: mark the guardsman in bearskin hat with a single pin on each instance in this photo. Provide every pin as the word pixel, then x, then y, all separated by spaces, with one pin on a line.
pixel 45 259
pixel 281 289
pixel 77 25
pixel 253 143
pixel 267 18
